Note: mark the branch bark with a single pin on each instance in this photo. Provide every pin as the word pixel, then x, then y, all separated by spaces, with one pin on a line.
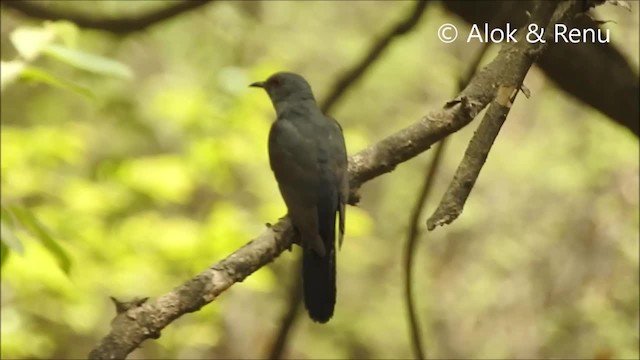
pixel 122 25
pixel 131 327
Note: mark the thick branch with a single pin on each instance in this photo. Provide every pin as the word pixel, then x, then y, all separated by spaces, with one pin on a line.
pixel 135 325
pixel 121 25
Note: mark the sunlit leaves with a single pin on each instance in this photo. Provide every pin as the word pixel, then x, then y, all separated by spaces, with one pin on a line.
pixel 33 42
pixel 10 71
pixel 163 177
pixel 24 168
pixel 9 242
pixel 32 224
pixel 30 41
pixel 163 237
pixel 23 219
pixel 34 74
pixel 172 101
pixel 24 173
pixel 7 233
pixel 88 62
pixel 96 198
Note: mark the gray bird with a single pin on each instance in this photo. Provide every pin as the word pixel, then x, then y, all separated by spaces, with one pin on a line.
pixel 308 157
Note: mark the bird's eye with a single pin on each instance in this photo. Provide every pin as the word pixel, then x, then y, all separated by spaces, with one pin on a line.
pixel 274 81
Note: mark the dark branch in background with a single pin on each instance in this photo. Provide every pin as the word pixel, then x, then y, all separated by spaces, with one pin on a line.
pixel 339 89
pixel 416 214
pixel 378 47
pixel 131 328
pixel 292 310
pixel 596 74
pixel 409 254
pixel 120 25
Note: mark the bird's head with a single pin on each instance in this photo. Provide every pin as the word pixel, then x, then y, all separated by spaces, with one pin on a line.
pixel 286 86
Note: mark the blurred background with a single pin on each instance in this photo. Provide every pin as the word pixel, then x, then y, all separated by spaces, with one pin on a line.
pixel 133 160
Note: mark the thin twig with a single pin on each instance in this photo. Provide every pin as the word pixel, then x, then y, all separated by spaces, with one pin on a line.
pixel 409 254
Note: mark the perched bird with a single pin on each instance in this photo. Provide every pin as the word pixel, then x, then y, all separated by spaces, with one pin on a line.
pixel 308 157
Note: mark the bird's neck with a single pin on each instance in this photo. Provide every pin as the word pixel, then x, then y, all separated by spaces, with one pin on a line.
pixel 295 106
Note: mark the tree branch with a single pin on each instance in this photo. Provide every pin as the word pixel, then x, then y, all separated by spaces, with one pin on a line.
pixel 121 25
pixel 132 327
pixel 409 253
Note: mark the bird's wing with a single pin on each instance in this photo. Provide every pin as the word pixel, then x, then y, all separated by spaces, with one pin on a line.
pixel 341 174
pixel 292 156
pixel 293 159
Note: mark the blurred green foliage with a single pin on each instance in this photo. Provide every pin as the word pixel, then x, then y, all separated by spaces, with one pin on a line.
pixel 163 170
pixel 31 42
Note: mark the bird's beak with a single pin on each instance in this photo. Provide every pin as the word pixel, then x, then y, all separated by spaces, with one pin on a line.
pixel 259 84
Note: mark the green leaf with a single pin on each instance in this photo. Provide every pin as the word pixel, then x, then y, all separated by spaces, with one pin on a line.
pixel 10 71
pixel 9 238
pixel 30 41
pixel 29 221
pixel 88 62
pixel 4 254
pixel 32 73
pixel 65 31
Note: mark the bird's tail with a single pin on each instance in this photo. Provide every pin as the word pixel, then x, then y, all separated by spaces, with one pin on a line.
pixel 319 283
pixel 319 272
